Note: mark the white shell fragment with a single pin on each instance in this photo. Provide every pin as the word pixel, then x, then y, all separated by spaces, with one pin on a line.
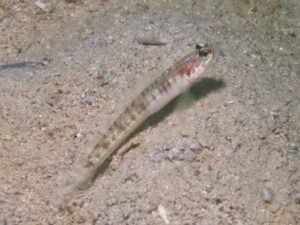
pixel 267 195
pixel 152 39
pixel 163 214
pixel 42 5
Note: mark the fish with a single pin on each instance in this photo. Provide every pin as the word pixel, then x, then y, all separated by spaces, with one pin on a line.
pixel 174 81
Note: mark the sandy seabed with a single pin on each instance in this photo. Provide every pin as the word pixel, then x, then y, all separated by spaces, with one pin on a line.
pixel 226 153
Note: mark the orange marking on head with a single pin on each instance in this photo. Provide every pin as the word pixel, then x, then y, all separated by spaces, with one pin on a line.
pixel 186 69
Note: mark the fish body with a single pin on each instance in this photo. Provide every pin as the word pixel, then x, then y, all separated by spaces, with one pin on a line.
pixel 177 79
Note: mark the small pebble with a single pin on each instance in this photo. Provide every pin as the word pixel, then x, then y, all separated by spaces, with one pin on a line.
pixel 87 101
pixel 195 146
pixel 184 134
pixel 175 154
pixel 50 101
pixel 289 190
pixel 197 213
pixel 42 5
pixel 77 135
pixel 292 148
pixel 297 198
pixel 267 195
pixel 156 158
pixel 189 155
pixel 7 137
pixel 111 201
pixel 126 214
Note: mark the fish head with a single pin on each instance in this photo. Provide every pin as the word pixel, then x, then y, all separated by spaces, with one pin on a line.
pixel 196 63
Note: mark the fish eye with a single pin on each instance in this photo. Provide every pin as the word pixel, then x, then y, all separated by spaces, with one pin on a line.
pixel 203 53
